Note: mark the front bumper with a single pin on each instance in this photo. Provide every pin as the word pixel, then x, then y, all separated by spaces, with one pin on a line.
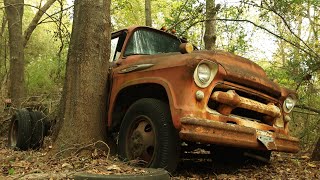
pixel 220 133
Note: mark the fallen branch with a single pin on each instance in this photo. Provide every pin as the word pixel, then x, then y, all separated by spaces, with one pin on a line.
pixel 308 108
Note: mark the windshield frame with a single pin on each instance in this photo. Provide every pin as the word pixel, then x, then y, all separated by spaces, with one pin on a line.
pixel 131 34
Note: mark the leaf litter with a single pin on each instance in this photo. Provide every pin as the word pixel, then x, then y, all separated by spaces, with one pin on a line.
pixel 38 165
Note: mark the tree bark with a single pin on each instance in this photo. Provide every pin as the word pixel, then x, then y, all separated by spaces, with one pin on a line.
pixel 82 116
pixel 210 26
pixel 316 152
pixel 3 25
pixel 33 24
pixel 14 11
pixel 148 13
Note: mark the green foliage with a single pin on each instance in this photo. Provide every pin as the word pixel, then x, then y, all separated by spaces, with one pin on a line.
pixel 45 66
pixel 11 171
pixel 42 76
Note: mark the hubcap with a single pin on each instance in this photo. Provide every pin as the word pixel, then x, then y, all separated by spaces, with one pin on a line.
pixel 141 140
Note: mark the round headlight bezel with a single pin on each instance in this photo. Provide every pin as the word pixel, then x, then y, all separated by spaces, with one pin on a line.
pixel 213 69
pixel 289 103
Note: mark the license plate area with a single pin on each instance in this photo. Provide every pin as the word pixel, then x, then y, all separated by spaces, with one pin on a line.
pixel 266 138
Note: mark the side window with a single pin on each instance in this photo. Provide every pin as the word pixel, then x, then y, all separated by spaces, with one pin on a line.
pixel 116 46
pixel 114 43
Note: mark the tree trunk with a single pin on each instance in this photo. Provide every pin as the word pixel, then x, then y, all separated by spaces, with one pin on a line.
pixel 33 24
pixel 210 25
pixel 148 13
pixel 316 151
pixel 82 116
pixel 14 11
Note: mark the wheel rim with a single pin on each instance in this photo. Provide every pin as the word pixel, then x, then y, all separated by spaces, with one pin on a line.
pixel 141 140
pixel 14 134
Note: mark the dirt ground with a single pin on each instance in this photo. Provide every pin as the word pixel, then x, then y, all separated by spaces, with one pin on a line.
pixel 38 165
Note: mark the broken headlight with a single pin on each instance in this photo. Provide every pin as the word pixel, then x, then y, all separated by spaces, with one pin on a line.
pixel 204 73
pixel 289 103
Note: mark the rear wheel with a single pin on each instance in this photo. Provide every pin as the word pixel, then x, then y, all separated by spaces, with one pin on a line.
pixel 20 130
pixel 147 134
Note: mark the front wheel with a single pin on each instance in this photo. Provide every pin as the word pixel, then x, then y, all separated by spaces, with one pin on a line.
pixel 147 134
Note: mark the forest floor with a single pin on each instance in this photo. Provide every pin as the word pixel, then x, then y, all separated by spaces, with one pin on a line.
pixel 38 165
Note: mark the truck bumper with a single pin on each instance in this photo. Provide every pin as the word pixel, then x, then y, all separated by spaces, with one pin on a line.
pixel 220 133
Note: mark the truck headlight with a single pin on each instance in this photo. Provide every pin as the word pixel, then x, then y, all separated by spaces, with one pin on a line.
pixel 289 103
pixel 204 73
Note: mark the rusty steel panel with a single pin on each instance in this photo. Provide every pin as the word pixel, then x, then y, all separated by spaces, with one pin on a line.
pixel 206 131
pixel 233 100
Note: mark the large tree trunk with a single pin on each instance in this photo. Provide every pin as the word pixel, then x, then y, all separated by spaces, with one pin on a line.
pixel 148 12
pixel 316 152
pixel 82 116
pixel 210 25
pixel 14 11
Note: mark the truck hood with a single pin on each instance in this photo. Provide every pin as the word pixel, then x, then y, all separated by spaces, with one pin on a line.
pixel 242 71
pixel 239 70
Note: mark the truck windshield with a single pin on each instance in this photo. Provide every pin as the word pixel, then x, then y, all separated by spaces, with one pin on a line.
pixel 149 42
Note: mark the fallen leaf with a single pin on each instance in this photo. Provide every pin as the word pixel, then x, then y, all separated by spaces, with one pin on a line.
pixel 113 167
pixel 67 165
pixel 95 154
pixel 312 165
pixel 305 157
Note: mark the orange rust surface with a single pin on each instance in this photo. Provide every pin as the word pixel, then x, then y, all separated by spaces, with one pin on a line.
pixel 232 135
pixel 174 72
pixel 233 100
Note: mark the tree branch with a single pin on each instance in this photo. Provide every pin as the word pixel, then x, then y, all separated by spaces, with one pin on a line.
pixel 49 16
pixel 33 24
pixel 308 108
pixel 259 26
pixel 58 12
pixel 287 26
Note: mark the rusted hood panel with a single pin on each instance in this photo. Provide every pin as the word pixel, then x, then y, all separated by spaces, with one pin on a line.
pixel 239 70
pixel 243 71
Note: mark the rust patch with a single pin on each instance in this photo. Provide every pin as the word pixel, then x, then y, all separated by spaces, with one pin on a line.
pixel 231 99
pixel 214 132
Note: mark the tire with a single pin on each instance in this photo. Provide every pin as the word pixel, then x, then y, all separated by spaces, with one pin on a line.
pixel 147 134
pixel 20 130
pixel 151 174
pixel 38 128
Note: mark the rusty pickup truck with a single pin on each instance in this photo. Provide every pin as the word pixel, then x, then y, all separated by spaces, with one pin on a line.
pixel 165 95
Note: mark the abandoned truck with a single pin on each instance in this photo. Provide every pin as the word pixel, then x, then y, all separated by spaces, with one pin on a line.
pixel 166 99
pixel 164 94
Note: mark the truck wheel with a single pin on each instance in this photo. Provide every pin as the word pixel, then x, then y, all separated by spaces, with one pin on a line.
pixel 38 122
pixel 147 134
pixel 20 130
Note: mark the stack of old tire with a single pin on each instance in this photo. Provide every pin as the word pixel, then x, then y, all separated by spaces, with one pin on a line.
pixel 27 129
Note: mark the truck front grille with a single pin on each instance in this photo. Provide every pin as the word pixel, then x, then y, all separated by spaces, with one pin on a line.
pixel 231 99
